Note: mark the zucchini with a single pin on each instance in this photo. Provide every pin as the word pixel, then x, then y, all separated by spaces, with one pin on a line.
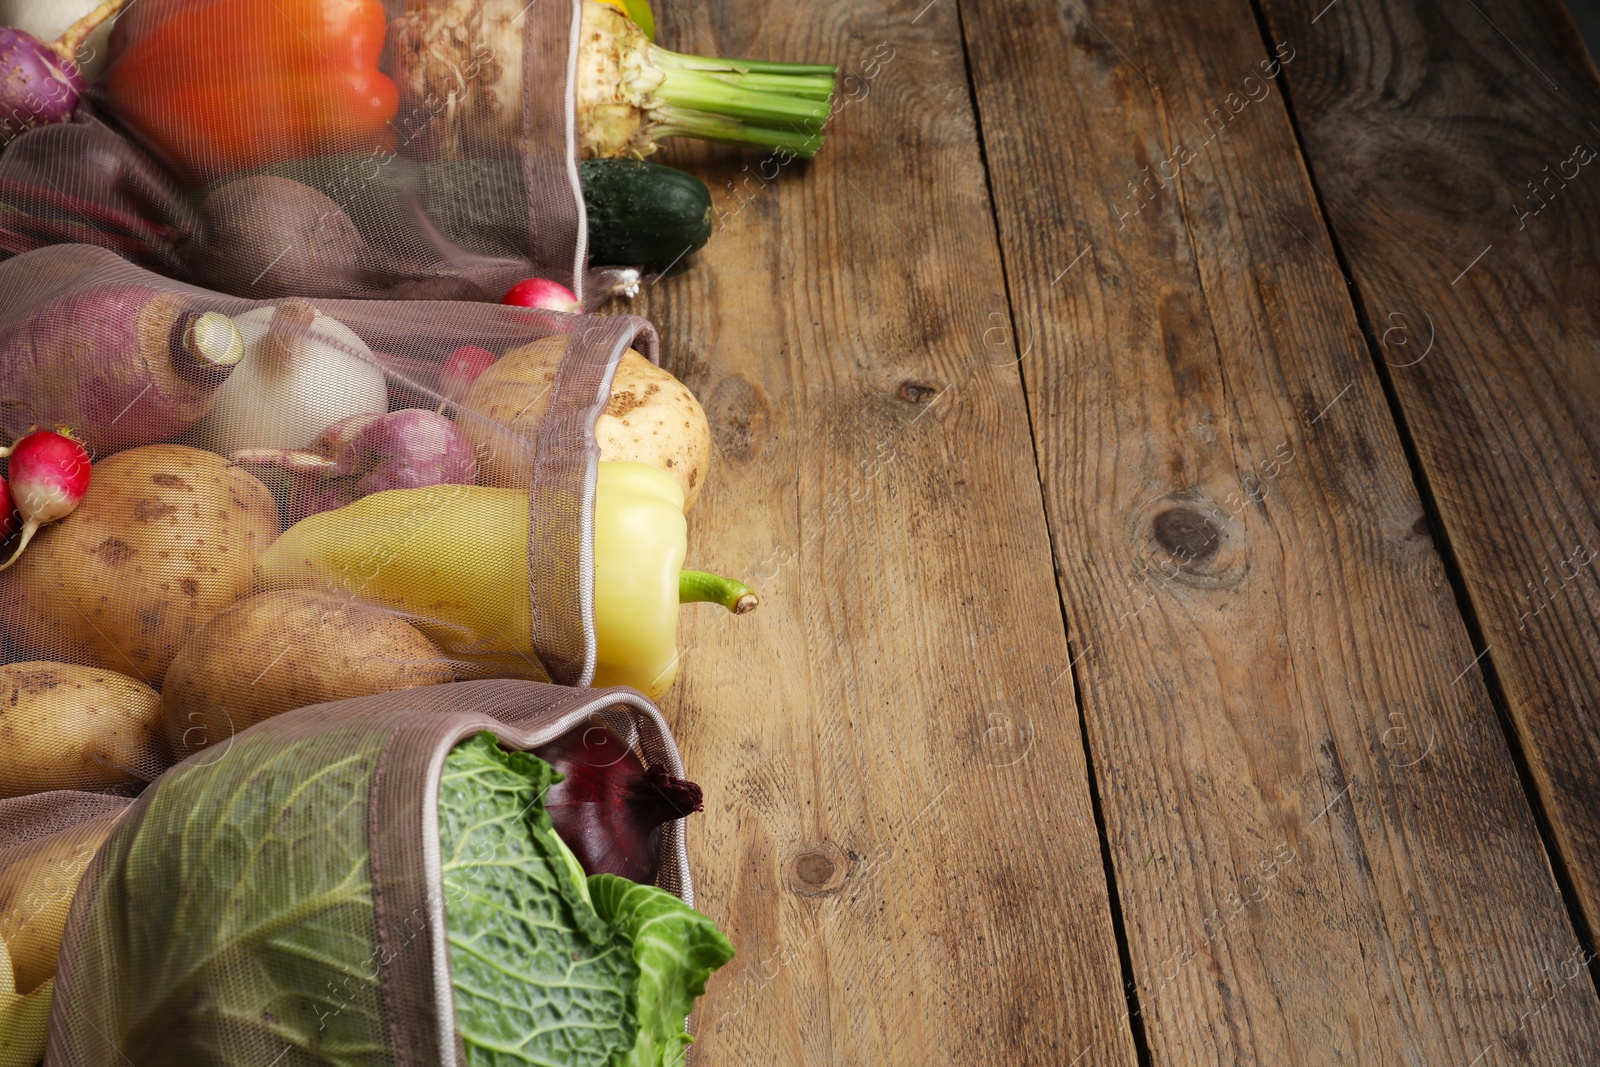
pixel 641 214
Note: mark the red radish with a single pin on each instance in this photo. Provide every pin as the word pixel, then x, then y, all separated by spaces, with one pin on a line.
pixel 543 294
pixel 9 520
pixel 49 475
pixel 461 368
pixel 40 83
pixel 609 809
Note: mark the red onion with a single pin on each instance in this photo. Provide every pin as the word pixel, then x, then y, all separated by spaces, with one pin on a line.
pixel 49 475
pixel 366 454
pixel 543 294
pixel 610 808
pixel 40 83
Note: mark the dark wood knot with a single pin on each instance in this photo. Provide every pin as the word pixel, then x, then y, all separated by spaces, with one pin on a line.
pixel 1186 539
pixel 814 868
pixel 818 870
pixel 1190 536
pixel 740 417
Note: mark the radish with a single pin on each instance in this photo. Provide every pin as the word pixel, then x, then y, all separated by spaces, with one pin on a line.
pixel 40 83
pixel 49 473
pixel 9 520
pixel 461 368
pixel 125 363
pixel 543 294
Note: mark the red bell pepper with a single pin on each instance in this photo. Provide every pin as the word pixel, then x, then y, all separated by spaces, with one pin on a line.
pixel 220 86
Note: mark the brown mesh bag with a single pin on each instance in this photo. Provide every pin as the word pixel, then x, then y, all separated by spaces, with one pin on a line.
pixel 274 149
pixel 46 842
pixel 166 559
pixel 390 149
pixel 280 900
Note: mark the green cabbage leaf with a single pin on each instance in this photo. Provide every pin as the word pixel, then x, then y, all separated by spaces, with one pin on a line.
pixel 550 967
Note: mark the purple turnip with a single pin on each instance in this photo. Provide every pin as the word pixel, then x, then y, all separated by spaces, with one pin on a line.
pixel 40 83
pixel 123 363
pixel 366 454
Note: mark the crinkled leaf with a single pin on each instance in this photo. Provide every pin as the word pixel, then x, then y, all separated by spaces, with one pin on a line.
pixel 539 976
pixel 676 949
pixel 234 923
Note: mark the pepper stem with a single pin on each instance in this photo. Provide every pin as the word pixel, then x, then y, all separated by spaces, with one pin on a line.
pixel 699 587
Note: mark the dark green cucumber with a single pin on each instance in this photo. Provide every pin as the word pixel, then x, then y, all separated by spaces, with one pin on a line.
pixel 643 214
pixel 640 214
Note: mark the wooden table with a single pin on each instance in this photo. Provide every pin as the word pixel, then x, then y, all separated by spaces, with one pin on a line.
pixel 1167 436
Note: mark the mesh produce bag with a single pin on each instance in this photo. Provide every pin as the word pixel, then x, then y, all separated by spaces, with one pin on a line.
pixel 235 144
pixel 161 574
pixel 388 148
pixel 46 842
pixel 322 890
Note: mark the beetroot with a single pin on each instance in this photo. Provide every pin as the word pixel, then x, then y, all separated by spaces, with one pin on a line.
pixel 609 809
pixel 367 454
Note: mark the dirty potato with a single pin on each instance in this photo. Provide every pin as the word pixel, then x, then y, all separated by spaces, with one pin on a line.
pixel 166 537
pixel 69 727
pixel 651 418
pixel 286 649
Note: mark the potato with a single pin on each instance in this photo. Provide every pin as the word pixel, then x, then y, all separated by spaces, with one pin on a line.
pixel 651 418
pixel 285 649
pixel 37 884
pixel 70 727
pixel 166 537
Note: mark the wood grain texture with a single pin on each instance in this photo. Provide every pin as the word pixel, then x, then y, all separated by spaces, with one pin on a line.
pixel 1442 139
pixel 1321 847
pixel 898 834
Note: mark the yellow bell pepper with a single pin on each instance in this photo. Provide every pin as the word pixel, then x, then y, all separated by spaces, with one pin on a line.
pixel 455 559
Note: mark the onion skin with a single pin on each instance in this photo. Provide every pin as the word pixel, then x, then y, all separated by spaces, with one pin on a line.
pixel 609 809
pixel 302 372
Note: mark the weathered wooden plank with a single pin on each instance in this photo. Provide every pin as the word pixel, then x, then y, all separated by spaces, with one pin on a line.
pixel 1321 847
pixel 898 835
pixel 1455 149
